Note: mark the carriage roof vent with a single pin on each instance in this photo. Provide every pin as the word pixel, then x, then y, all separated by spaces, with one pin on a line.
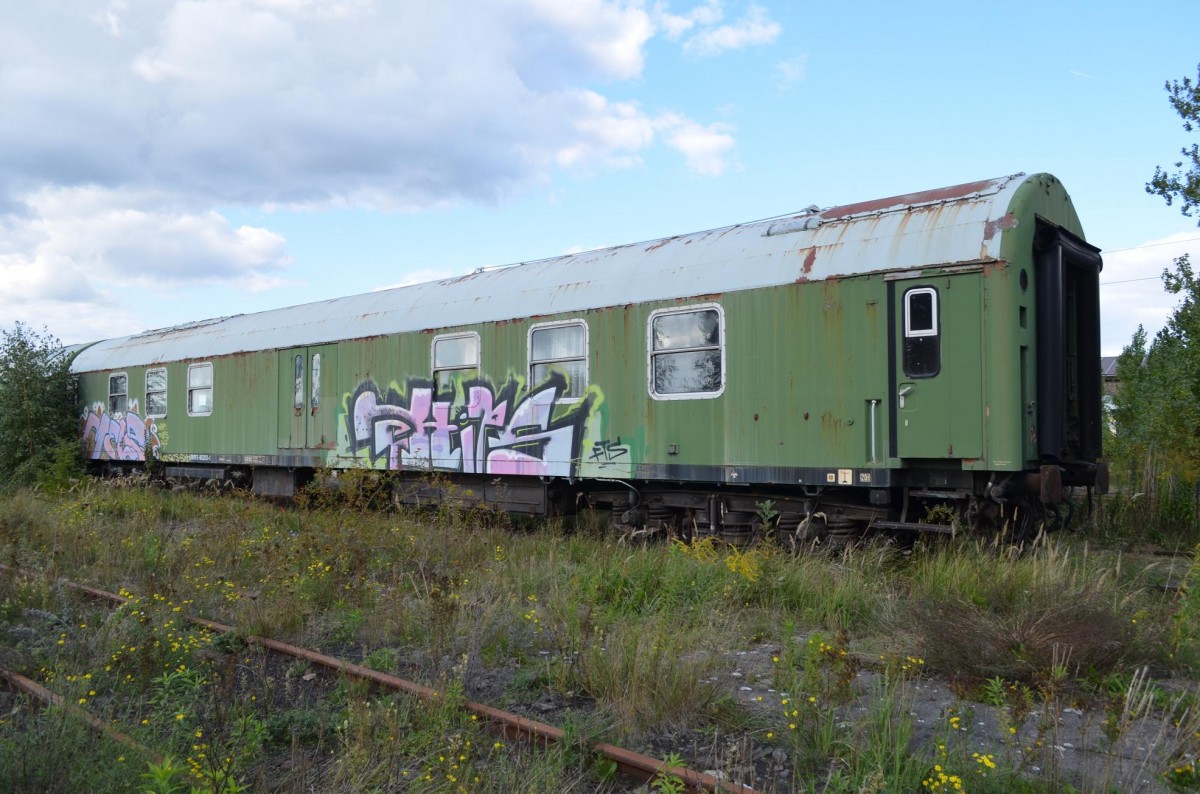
pixel 191 326
pixel 810 219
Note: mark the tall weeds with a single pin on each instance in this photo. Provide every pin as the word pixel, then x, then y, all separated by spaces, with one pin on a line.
pixel 990 612
pixel 644 638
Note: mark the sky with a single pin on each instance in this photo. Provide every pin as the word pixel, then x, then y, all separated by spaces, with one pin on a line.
pixel 164 161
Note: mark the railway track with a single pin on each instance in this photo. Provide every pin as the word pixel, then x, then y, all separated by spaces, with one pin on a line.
pixel 511 726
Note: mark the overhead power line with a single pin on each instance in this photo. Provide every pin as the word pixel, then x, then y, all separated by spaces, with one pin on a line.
pixel 1128 280
pixel 1138 248
pixel 1151 245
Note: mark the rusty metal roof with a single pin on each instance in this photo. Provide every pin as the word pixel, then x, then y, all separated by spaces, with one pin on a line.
pixel 945 226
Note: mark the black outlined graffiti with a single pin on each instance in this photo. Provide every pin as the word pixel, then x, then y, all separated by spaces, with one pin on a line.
pixel 474 429
pixel 608 451
pixel 120 436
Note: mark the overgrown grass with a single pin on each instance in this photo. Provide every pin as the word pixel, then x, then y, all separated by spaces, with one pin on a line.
pixel 643 639
pixel 982 612
pixel 1155 499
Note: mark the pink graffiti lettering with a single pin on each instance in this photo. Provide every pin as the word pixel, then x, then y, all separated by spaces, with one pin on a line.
pixel 488 433
pixel 120 436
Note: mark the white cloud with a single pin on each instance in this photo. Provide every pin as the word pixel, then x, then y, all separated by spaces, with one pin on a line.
pixel 209 45
pixel 791 71
pixel 707 148
pixel 1131 290
pixel 111 18
pixel 83 244
pixel 675 25
pixel 296 103
pixel 72 322
pixel 125 124
pixel 322 9
pixel 755 28
pixel 607 132
pixel 606 36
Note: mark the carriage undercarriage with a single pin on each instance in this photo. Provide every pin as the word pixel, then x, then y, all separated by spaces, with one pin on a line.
pixel 1013 505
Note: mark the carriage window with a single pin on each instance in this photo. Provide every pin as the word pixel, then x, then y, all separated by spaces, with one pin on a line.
pixel 156 393
pixel 687 353
pixel 200 389
pixel 118 392
pixel 316 381
pixel 560 348
pixel 454 355
pixel 298 374
pixel 922 338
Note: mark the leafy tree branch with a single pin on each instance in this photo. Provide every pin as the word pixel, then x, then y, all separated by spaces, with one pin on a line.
pixel 1182 185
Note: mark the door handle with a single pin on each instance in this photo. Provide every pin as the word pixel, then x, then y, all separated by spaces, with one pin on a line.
pixel 902 393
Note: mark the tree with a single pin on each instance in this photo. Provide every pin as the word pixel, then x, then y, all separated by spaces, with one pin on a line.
pixel 1182 186
pixel 38 410
pixel 1155 450
pixel 1156 446
pixel 1159 404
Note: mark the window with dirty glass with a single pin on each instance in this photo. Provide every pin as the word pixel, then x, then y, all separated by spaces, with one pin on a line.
pixel 200 389
pixel 118 392
pixel 687 353
pixel 156 393
pixel 454 356
pixel 922 339
pixel 562 348
pixel 298 380
pixel 315 389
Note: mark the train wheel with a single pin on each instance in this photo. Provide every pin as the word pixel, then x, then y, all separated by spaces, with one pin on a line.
pixel 810 533
pixel 983 517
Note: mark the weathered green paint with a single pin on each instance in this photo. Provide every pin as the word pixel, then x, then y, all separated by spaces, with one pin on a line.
pixel 942 416
pixel 311 424
pixel 1011 347
pixel 803 363
pixel 292 418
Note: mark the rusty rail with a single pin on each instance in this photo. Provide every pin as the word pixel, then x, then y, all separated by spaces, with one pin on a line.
pixel 30 687
pixel 511 726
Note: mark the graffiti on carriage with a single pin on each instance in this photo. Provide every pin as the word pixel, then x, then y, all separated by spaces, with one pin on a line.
pixel 118 436
pixel 474 429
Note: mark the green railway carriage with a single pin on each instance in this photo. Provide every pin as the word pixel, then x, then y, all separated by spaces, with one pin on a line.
pixel 831 370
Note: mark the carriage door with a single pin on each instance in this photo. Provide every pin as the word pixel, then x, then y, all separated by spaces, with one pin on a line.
pixel 937 382
pixel 306 397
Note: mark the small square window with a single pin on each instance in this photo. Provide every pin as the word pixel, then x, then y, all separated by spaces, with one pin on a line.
pixel 156 393
pixel 920 312
pixel 687 353
pixel 200 389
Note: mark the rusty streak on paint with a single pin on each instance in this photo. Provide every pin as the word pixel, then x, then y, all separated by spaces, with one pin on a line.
pixel 923 197
pixel 661 243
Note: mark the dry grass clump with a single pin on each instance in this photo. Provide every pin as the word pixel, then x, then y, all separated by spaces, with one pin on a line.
pixel 843 592
pixel 979 611
pixel 649 674
pixel 960 637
